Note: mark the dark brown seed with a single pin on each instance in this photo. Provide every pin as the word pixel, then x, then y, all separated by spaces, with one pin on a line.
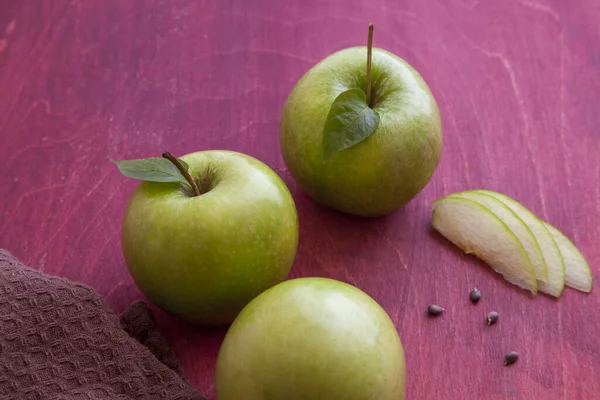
pixel 492 318
pixel 434 310
pixel 475 295
pixel 511 358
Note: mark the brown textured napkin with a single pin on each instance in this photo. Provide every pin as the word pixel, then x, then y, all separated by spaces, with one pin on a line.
pixel 59 340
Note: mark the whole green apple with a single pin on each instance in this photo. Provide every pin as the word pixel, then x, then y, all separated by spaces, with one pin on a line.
pixel 311 338
pixel 388 168
pixel 203 258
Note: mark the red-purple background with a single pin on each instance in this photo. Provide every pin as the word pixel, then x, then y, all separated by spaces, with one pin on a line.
pixel 517 81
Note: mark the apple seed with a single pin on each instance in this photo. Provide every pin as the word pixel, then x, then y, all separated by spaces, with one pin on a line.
pixel 434 310
pixel 511 358
pixel 492 318
pixel 475 295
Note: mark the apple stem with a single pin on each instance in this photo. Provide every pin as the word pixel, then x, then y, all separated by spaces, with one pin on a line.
pixel 183 171
pixel 369 52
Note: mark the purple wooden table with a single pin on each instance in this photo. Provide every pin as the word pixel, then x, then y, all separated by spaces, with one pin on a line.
pixel 518 84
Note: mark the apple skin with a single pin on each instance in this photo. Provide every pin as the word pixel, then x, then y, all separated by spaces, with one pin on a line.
pixel 311 338
pixel 204 258
pixel 390 167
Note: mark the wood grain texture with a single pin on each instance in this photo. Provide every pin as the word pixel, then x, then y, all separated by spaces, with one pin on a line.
pixel 518 83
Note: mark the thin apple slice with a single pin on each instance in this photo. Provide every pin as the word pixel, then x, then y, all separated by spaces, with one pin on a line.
pixel 476 230
pixel 577 270
pixel 555 264
pixel 516 225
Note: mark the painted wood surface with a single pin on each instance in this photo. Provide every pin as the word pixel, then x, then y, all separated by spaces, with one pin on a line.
pixel 518 84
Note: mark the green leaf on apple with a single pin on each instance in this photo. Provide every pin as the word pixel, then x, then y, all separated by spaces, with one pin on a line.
pixel 153 169
pixel 349 121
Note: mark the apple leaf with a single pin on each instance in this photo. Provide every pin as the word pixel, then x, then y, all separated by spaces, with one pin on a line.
pixel 153 169
pixel 349 121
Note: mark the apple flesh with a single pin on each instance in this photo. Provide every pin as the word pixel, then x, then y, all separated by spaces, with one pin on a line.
pixel 516 225
pixel 311 338
pixel 476 230
pixel 203 258
pixel 552 256
pixel 578 273
pixel 390 167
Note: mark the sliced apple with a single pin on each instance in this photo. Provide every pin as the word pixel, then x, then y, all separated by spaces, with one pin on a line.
pixel 550 251
pixel 577 270
pixel 476 230
pixel 516 225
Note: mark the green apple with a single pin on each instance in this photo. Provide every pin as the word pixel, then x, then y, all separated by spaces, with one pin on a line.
pixel 387 169
pixel 311 338
pixel 476 230
pixel 553 258
pixel 203 258
pixel 516 225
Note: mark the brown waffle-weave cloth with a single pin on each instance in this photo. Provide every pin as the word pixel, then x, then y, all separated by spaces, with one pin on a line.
pixel 59 340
